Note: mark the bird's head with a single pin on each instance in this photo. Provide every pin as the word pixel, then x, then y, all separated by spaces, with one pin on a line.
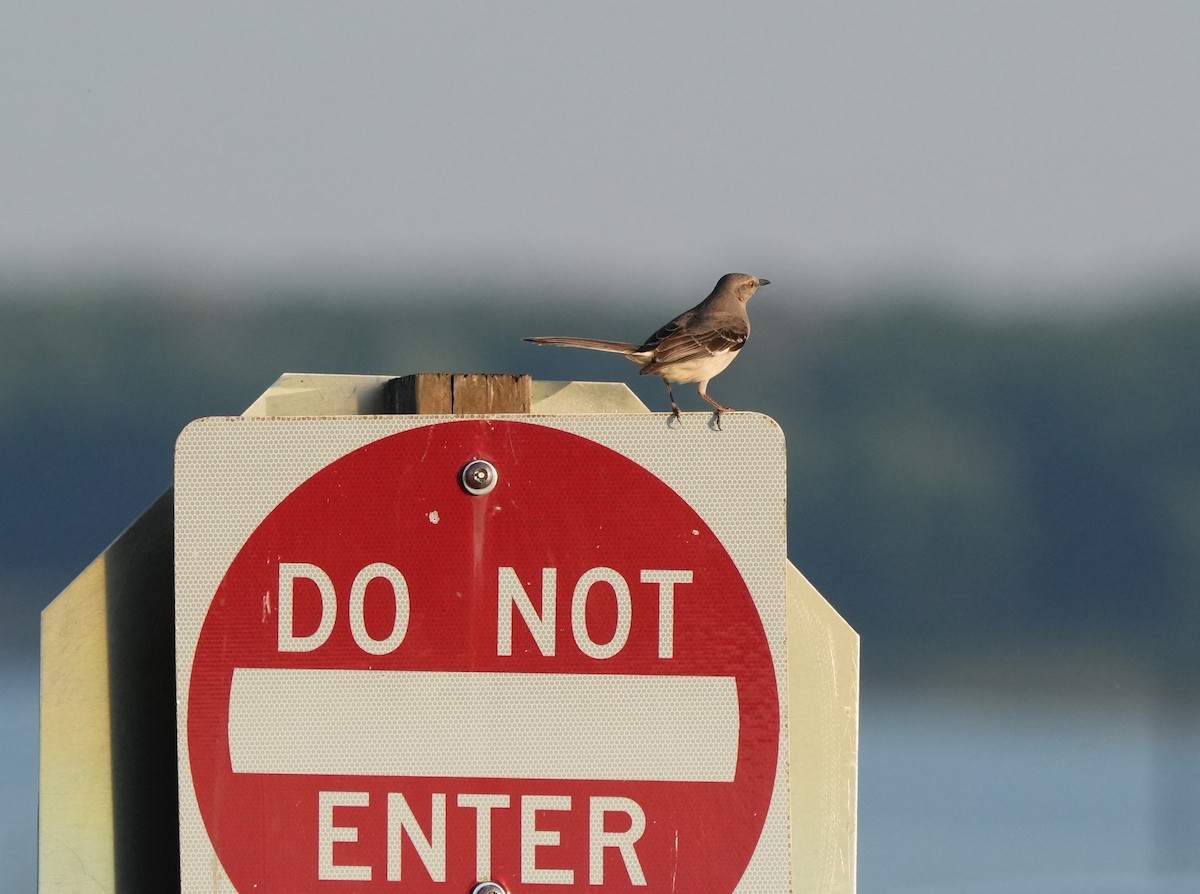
pixel 743 285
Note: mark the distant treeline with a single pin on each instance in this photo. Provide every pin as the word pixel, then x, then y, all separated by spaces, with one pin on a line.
pixel 1001 488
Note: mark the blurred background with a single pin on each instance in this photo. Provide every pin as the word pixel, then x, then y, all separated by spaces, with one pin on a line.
pixel 982 338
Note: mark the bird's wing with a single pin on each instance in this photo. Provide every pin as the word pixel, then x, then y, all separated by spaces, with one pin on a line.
pixel 676 343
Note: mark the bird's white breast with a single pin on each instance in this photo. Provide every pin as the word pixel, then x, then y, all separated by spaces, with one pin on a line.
pixel 701 369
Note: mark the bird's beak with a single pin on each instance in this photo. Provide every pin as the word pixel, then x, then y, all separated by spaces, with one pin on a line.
pixel 763 282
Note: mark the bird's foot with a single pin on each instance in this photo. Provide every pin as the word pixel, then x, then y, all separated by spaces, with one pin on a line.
pixel 718 409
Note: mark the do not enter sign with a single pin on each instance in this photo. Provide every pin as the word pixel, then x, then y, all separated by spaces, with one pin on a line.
pixel 562 671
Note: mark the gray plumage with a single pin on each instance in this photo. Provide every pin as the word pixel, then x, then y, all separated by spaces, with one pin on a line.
pixel 695 346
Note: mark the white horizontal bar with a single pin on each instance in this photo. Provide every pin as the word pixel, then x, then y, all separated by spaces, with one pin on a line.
pixel 501 725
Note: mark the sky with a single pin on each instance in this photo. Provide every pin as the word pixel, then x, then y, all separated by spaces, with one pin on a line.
pixel 1000 142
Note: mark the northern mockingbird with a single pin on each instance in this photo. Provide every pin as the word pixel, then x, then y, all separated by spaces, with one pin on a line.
pixel 695 346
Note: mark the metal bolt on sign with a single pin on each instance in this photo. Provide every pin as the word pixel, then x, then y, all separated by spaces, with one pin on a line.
pixel 488 888
pixel 479 477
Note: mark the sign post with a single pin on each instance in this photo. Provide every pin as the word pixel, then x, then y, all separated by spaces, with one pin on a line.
pixel 421 653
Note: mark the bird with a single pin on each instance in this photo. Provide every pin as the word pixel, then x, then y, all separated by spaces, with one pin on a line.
pixel 694 347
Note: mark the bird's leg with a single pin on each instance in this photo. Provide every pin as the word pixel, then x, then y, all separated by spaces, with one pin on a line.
pixel 671 397
pixel 718 407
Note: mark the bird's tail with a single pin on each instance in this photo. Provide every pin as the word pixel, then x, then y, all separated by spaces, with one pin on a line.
pixel 592 344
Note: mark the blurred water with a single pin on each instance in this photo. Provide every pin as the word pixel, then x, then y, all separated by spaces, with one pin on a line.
pixel 1010 796
pixel 18 775
pixel 955 798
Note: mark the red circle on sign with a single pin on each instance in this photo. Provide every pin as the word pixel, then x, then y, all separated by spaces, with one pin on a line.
pixel 563 503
